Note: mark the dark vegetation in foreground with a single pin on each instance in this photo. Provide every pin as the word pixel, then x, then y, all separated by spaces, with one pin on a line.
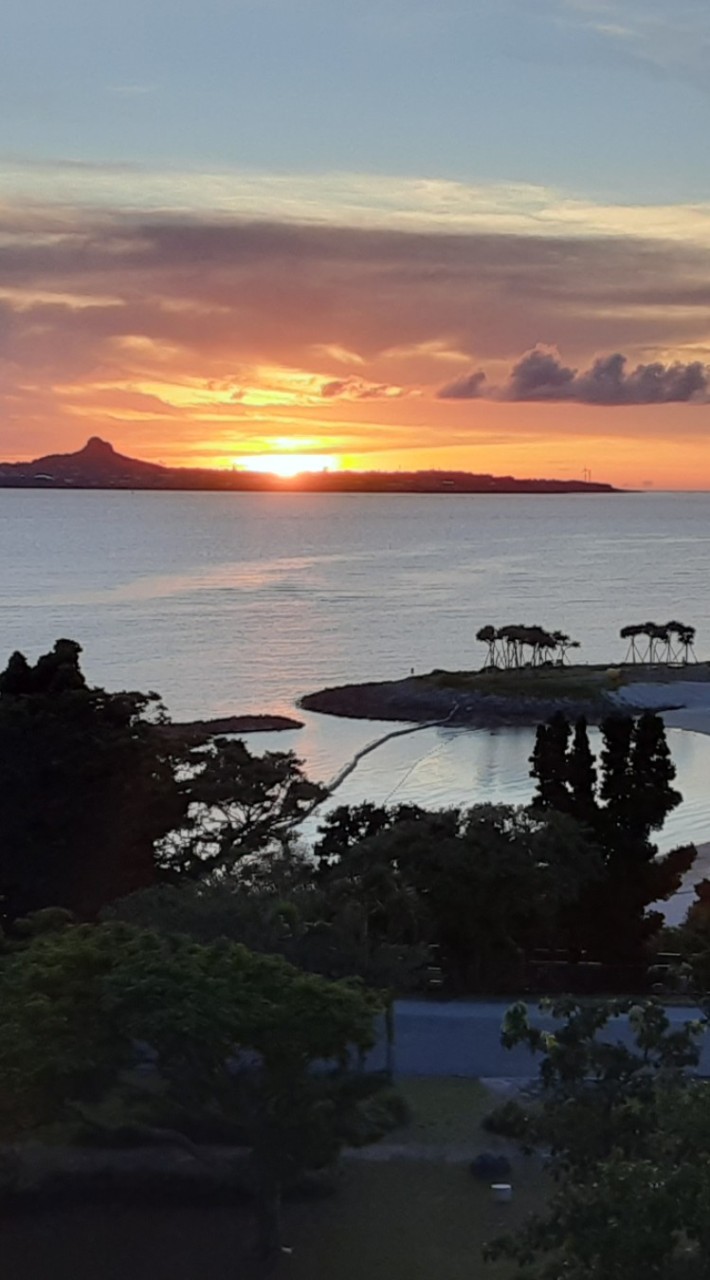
pixel 103 812
pixel 177 970
pixel 627 1132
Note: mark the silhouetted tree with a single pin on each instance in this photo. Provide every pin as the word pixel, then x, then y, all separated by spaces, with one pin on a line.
pixel 582 775
pixel 666 642
pixel 615 781
pixel 98 799
pixel 652 771
pixel 238 803
pixel 488 636
pixel 550 765
pixel 563 644
pixel 87 786
pixel 507 645
pixel 629 800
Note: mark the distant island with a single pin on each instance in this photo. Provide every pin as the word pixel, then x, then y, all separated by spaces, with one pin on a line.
pixel 99 466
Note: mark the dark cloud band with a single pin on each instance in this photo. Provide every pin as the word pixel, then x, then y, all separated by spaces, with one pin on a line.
pixel 540 375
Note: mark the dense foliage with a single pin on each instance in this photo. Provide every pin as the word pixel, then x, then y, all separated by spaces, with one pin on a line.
pixel 98 798
pixel 87 786
pixel 394 894
pixel 621 799
pixel 627 1129
pixel 238 804
pixel 245 1040
pixel 484 886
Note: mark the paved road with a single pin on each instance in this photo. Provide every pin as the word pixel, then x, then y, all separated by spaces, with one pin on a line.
pixel 462 1038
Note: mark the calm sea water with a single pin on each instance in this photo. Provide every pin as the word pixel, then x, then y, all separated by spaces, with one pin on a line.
pixel 242 602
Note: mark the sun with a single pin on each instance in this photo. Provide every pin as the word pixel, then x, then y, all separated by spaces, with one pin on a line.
pixel 287 465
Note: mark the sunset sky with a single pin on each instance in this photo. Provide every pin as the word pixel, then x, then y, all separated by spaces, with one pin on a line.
pixel 392 233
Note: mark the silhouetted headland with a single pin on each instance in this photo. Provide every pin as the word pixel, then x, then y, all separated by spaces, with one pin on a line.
pixel 202 730
pixel 489 699
pixel 99 466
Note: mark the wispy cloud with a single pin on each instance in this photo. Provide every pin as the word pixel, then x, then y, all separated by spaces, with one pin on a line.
pixel 670 34
pixel 359 389
pixel 341 199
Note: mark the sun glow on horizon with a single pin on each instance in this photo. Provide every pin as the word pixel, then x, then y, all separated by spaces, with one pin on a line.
pixel 288 465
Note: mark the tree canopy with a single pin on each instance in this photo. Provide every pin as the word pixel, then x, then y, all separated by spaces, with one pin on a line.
pixel 98 799
pixel 87 786
pixel 483 886
pixel 244 1037
pixel 393 895
pixel 651 642
pixel 627 1129
pixel 507 645
pixel 237 804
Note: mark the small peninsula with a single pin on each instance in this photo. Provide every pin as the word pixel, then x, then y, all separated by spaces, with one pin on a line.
pixel 197 731
pixel 490 699
pixel 99 466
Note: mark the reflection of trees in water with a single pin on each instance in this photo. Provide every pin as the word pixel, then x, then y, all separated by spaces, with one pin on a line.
pixel 499 765
pixel 457 767
pixel 489 771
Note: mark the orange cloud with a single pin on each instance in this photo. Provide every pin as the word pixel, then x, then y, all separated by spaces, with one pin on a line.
pixel 356 338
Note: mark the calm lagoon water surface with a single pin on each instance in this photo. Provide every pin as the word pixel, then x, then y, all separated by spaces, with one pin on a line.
pixel 243 602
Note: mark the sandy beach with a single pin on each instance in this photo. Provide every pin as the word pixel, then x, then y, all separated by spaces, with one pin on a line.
pixel 690 700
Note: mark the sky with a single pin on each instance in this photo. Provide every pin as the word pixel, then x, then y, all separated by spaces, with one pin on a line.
pixel 463 234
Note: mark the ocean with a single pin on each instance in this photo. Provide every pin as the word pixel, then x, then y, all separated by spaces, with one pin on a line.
pixel 231 603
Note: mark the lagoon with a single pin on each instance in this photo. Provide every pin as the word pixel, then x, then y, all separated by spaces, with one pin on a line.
pixel 231 603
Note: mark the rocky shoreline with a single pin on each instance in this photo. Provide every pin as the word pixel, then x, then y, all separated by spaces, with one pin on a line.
pixel 415 701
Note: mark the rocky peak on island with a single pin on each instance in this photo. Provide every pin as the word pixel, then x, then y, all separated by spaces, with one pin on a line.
pixel 97 450
pixel 96 465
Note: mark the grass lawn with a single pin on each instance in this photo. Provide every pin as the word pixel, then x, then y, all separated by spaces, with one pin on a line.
pixel 394 1219
pixel 445 1110
pixel 409 1220
pixel 400 1220
pixel 404 1219
pixel 580 682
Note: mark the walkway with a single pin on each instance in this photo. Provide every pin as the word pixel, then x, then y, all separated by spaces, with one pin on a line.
pixel 462 1038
